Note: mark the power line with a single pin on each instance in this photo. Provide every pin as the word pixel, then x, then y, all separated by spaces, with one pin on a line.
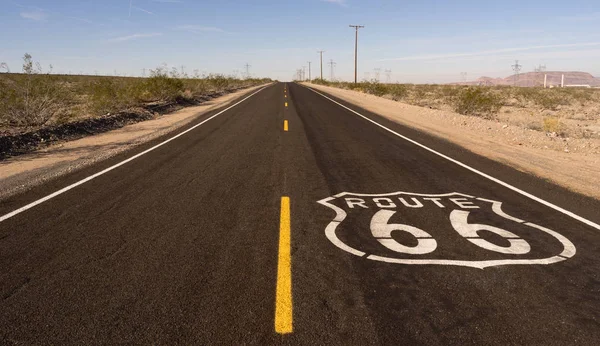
pixel 356 27
pixel 321 59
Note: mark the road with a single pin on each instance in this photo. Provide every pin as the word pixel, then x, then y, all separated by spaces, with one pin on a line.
pixel 290 219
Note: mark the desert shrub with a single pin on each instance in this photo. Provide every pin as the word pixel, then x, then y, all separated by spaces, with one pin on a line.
pixel 449 91
pixel 321 81
pixel 545 98
pixel 553 124
pixel 108 94
pixel 160 88
pixel 30 99
pixel 549 101
pixel 398 91
pixel 419 93
pixel 375 88
pixel 477 101
pixel 579 94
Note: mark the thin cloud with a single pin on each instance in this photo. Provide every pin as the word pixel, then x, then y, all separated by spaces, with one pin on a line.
pixel 488 52
pixel 36 15
pixel 83 20
pixel 337 2
pixel 134 37
pixel 588 17
pixel 143 10
pixel 197 29
pixel 41 14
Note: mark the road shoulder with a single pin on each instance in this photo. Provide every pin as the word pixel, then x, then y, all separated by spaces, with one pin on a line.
pixel 578 172
pixel 23 172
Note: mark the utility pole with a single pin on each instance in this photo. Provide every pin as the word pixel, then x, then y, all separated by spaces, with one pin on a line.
pixel 309 79
pixel 332 65
pixel 463 77
pixel 303 73
pixel 356 49
pixel 321 54
pixel 247 70
pixel 144 73
pixel 517 68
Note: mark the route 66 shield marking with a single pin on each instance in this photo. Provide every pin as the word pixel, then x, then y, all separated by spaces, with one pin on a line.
pixel 398 233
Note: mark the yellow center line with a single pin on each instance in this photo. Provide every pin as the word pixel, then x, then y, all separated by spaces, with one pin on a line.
pixel 285 125
pixel 283 296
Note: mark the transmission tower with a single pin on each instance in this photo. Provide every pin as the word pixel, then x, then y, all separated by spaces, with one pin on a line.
pixel 516 68
pixel 247 70
pixel 376 72
pixel 463 77
pixel 331 65
pixel 388 76
pixel 539 71
pixel 4 66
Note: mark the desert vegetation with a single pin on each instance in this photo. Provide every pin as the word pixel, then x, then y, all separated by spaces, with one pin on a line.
pixel 36 98
pixel 560 112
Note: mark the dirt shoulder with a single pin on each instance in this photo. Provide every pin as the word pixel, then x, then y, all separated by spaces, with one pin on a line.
pixel 22 172
pixel 552 158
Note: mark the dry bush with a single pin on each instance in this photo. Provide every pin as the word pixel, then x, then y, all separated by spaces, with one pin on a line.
pixel 477 101
pixel 552 124
pixel 398 91
pixel 36 99
pixel 30 99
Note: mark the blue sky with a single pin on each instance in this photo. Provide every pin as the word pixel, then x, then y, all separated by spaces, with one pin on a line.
pixel 419 41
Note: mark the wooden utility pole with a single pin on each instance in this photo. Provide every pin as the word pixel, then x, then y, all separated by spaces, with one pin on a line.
pixel 356 50
pixel 321 54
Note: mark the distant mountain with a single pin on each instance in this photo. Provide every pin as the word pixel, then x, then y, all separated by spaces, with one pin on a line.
pixel 537 79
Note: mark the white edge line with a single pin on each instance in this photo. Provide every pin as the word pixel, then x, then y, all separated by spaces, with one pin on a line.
pixel 498 181
pixel 85 180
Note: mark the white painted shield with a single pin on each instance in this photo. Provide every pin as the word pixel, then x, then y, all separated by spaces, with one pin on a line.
pixel 386 205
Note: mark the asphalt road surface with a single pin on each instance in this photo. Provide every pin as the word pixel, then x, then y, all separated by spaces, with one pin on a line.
pixel 290 219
